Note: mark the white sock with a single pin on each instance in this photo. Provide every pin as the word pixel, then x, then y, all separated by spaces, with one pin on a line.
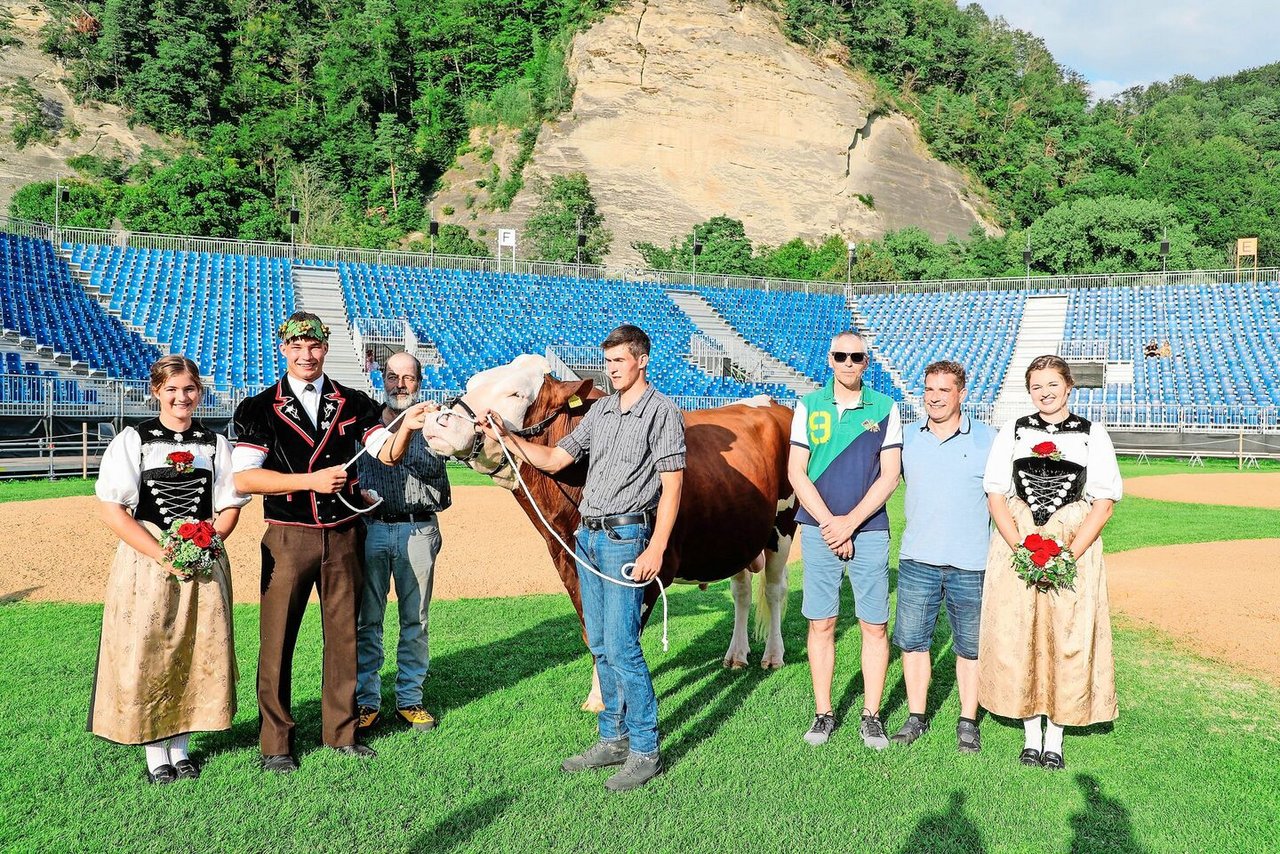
pixel 178 748
pixel 157 755
pixel 1031 726
pixel 1052 737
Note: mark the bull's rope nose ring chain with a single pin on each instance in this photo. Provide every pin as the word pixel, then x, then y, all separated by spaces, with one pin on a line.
pixel 626 567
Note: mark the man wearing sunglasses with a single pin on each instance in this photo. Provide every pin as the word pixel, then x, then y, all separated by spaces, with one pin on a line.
pixel 846 456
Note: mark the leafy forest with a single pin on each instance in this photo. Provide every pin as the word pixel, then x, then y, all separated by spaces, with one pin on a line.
pixel 354 109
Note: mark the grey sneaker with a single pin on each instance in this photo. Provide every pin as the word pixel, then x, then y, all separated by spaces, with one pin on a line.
pixel 823 725
pixel 872 731
pixel 636 771
pixel 968 739
pixel 602 754
pixel 912 728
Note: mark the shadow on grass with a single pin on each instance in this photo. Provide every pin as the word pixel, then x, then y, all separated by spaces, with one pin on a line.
pixel 948 830
pixel 1104 825
pixel 456 830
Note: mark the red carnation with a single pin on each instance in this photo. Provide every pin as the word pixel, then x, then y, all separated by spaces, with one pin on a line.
pixel 1040 558
pixel 1051 548
pixel 1034 542
pixel 184 458
pixel 1044 449
pixel 202 539
pixel 187 530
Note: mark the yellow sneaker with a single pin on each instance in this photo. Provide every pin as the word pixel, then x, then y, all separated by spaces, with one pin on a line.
pixel 368 717
pixel 417 717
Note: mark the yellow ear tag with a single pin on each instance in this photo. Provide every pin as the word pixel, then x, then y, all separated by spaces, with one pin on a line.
pixel 575 402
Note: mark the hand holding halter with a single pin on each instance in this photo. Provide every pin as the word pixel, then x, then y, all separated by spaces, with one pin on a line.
pixel 364 450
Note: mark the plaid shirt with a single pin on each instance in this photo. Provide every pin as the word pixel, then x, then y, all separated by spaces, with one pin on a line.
pixel 418 484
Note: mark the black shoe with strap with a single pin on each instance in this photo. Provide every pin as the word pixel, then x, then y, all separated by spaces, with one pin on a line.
pixel 1051 761
pixel 187 770
pixel 163 775
pixel 1030 757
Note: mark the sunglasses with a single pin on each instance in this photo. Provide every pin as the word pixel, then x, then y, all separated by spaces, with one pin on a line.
pixel 856 358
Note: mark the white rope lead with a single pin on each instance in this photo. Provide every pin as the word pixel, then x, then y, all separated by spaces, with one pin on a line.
pixel 625 574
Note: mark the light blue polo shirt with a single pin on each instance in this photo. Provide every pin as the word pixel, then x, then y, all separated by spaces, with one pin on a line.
pixel 946 506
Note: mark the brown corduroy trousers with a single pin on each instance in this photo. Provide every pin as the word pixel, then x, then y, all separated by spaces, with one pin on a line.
pixel 294 559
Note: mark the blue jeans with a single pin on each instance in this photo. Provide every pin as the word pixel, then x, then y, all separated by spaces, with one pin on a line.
pixel 405 552
pixel 922 589
pixel 612 617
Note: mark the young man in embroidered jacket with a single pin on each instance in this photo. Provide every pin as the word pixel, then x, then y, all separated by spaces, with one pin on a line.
pixel 846 456
pixel 293 440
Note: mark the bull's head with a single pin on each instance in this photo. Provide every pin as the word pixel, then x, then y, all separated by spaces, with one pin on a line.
pixel 507 389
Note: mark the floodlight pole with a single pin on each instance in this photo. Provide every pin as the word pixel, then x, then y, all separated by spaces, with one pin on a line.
pixel 848 269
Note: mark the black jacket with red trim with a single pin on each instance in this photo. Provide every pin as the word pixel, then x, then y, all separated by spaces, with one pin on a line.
pixel 274 421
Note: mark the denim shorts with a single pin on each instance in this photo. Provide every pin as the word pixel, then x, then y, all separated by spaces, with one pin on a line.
pixel 868 572
pixel 922 589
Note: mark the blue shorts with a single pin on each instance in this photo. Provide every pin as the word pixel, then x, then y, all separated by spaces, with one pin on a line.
pixel 922 588
pixel 868 571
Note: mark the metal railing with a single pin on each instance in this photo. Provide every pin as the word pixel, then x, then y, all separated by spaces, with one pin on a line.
pixel 97 399
pixel 1086 349
pixel 337 254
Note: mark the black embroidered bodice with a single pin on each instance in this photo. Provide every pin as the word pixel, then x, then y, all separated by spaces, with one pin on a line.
pixel 1046 484
pixel 165 493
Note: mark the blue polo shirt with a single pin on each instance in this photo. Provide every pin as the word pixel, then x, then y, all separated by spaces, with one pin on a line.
pixel 946 506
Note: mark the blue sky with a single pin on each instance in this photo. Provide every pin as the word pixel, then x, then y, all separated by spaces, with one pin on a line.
pixel 1120 43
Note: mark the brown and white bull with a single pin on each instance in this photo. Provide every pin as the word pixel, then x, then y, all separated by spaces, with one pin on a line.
pixel 737 512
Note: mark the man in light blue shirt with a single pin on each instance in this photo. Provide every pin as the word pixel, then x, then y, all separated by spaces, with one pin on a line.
pixel 944 548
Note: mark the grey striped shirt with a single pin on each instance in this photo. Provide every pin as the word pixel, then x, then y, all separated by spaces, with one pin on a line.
pixel 626 451
pixel 418 484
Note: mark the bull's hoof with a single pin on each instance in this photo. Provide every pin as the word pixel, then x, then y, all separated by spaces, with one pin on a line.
pixel 593 706
pixel 770 663
pixel 735 663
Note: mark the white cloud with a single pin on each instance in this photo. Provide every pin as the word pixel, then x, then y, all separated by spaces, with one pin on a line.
pixel 1109 41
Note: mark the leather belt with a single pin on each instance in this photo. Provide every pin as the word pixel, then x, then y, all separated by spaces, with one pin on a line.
pixel 600 523
pixel 396 518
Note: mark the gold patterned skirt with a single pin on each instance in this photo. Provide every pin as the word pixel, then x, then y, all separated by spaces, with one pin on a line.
pixel 1047 653
pixel 166 660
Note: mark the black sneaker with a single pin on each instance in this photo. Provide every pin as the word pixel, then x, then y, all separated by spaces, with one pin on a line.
pixel 872 731
pixel 968 739
pixel 823 726
pixel 914 727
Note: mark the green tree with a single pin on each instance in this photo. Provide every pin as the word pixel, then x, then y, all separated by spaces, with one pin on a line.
pixel 32 120
pixel 726 249
pixel 565 206
pixel 1113 233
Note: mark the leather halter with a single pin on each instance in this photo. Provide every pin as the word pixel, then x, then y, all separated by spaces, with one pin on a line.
pixel 477 441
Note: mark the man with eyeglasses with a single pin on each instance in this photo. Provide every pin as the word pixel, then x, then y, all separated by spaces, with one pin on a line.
pixel 846 456
pixel 401 544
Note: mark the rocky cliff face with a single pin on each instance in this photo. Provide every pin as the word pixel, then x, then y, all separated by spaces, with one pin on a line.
pixel 687 109
pixel 84 128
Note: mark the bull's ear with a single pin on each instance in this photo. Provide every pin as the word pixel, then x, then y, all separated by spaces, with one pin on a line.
pixel 577 399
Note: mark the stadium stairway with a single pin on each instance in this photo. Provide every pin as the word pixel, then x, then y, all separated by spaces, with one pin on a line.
pixel 1044 320
pixel 863 325
pixel 762 366
pixel 319 290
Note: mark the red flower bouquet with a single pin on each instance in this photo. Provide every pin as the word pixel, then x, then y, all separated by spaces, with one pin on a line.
pixel 1047 450
pixel 1046 563
pixel 182 461
pixel 192 548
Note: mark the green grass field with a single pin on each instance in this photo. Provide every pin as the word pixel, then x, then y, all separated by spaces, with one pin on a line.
pixel 1189 766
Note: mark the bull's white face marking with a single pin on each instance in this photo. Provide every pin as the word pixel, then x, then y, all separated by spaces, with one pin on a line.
pixel 506 389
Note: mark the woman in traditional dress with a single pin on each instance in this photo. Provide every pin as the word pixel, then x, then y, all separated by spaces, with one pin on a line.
pixel 166 660
pixel 1045 655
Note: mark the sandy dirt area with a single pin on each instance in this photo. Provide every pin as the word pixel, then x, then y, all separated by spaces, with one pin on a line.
pixel 1221 599
pixel 1242 489
pixel 58 550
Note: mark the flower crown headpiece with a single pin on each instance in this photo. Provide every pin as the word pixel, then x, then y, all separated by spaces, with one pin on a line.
pixel 310 328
